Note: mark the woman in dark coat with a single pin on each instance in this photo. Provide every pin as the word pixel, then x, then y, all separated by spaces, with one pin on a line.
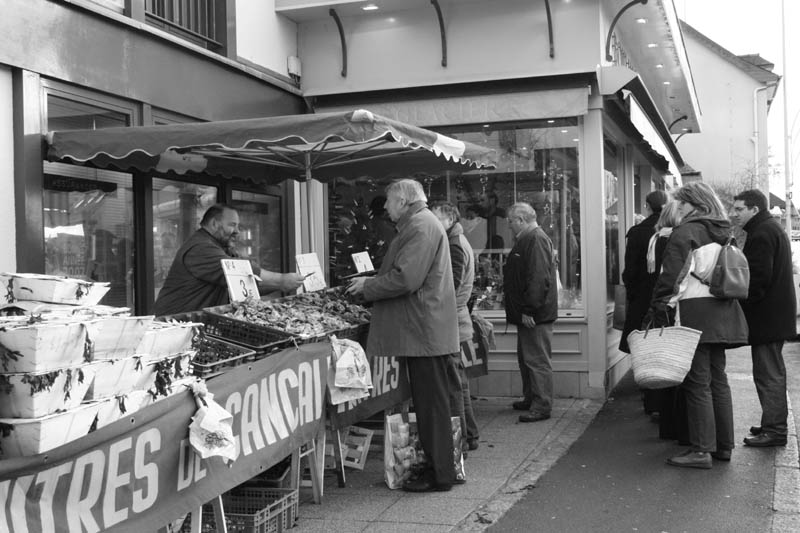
pixel 638 281
pixel 692 249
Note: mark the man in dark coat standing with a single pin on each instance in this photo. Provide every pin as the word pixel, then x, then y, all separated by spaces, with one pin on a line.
pixel 771 312
pixel 414 316
pixel 638 281
pixel 531 301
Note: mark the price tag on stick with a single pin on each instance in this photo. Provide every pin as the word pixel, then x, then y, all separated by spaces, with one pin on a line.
pixel 308 266
pixel 362 262
pixel 240 279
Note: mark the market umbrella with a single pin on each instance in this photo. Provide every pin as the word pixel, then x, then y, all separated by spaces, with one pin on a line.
pixel 271 149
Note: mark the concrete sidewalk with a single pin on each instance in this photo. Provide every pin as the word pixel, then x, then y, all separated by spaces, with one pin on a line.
pixel 510 459
pixel 514 458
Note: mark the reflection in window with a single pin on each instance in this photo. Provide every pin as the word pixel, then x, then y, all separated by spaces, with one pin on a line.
pixel 259 228
pixel 613 161
pixel 88 213
pixel 88 228
pixel 177 209
pixel 538 164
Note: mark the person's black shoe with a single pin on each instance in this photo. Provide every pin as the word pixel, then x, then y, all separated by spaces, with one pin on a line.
pixel 521 405
pixel 424 484
pixel 472 444
pixel 690 459
pixel 755 430
pixel 721 455
pixel 534 417
pixel 764 440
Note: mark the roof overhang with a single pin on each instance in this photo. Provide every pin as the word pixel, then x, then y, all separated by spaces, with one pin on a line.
pixel 651 37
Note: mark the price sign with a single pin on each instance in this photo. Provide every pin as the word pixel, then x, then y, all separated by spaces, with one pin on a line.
pixel 362 262
pixel 240 278
pixel 308 265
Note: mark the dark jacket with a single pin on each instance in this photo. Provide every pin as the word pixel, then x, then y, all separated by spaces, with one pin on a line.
pixel 770 308
pixel 414 314
pixel 463 261
pixel 638 282
pixel 195 279
pixel 693 247
pixel 529 279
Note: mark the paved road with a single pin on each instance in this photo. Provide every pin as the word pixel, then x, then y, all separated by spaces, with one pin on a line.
pixel 614 477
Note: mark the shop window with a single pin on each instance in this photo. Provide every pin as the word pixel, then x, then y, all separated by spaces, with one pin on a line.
pixel 538 164
pixel 177 209
pixel 88 228
pixel 613 158
pixel 88 213
pixel 260 228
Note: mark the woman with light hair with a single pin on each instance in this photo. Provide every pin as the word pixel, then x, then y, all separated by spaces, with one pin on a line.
pixel 692 248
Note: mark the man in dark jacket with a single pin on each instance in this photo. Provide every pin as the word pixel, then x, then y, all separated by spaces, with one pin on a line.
pixel 414 316
pixel 531 302
pixel 770 310
pixel 196 279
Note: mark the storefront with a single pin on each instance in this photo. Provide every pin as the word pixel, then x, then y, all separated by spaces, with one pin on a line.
pixel 581 136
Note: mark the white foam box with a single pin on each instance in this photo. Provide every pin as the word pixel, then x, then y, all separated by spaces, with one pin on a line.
pixel 178 365
pixel 42 346
pixel 166 338
pixel 115 337
pixel 20 437
pixel 21 397
pixel 53 289
pixel 111 409
pixel 114 377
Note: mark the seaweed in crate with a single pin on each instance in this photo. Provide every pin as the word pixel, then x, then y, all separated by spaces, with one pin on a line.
pixel 8 355
pixel 68 384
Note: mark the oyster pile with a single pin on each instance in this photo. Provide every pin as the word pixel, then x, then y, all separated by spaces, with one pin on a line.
pixel 305 315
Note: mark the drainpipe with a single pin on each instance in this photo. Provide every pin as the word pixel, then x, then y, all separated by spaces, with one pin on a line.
pixel 756 135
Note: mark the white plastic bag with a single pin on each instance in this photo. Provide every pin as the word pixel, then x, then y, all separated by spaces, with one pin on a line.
pixel 350 367
pixel 210 432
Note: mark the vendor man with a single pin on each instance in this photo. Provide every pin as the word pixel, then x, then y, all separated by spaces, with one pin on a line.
pixel 195 279
pixel 414 316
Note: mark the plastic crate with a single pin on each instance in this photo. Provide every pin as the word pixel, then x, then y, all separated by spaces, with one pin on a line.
pixel 215 355
pixel 254 510
pixel 243 332
pixel 260 338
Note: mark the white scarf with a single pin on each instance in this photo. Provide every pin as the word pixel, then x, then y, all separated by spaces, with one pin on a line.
pixel 651 248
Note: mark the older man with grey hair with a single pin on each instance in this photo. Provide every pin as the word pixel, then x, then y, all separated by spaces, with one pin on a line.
pixel 414 316
pixel 531 302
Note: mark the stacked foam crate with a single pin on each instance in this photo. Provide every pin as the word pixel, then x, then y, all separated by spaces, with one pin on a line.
pixel 69 365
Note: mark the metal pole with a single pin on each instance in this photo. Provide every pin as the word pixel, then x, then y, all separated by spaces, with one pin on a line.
pixel 787 156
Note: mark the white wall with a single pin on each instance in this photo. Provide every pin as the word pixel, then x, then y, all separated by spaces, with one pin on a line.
pixel 485 41
pixel 264 37
pixel 8 245
pixel 724 150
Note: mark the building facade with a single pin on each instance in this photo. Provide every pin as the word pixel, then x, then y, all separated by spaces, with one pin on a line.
pixel 575 96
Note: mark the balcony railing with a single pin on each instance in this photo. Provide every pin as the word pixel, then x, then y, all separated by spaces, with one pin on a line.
pixel 194 20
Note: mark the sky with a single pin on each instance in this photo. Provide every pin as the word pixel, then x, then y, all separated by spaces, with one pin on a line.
pixel 754 27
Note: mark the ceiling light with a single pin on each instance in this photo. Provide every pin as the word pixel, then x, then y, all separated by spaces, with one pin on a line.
pixel 641 21
pixel 659 66
pixel 564 131
pixel 575 140
pixel 370 7
pixel 652 45
pixel 685 129
pixel 550 121
pixel 666 83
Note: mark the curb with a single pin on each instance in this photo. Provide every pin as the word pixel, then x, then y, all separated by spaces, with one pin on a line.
pixel 786 493
pixel 555 444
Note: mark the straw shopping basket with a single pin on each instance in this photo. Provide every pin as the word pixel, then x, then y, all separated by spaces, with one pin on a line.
pixel 661 357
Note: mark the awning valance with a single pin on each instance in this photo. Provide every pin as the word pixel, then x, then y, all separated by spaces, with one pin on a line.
pixel 268 150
